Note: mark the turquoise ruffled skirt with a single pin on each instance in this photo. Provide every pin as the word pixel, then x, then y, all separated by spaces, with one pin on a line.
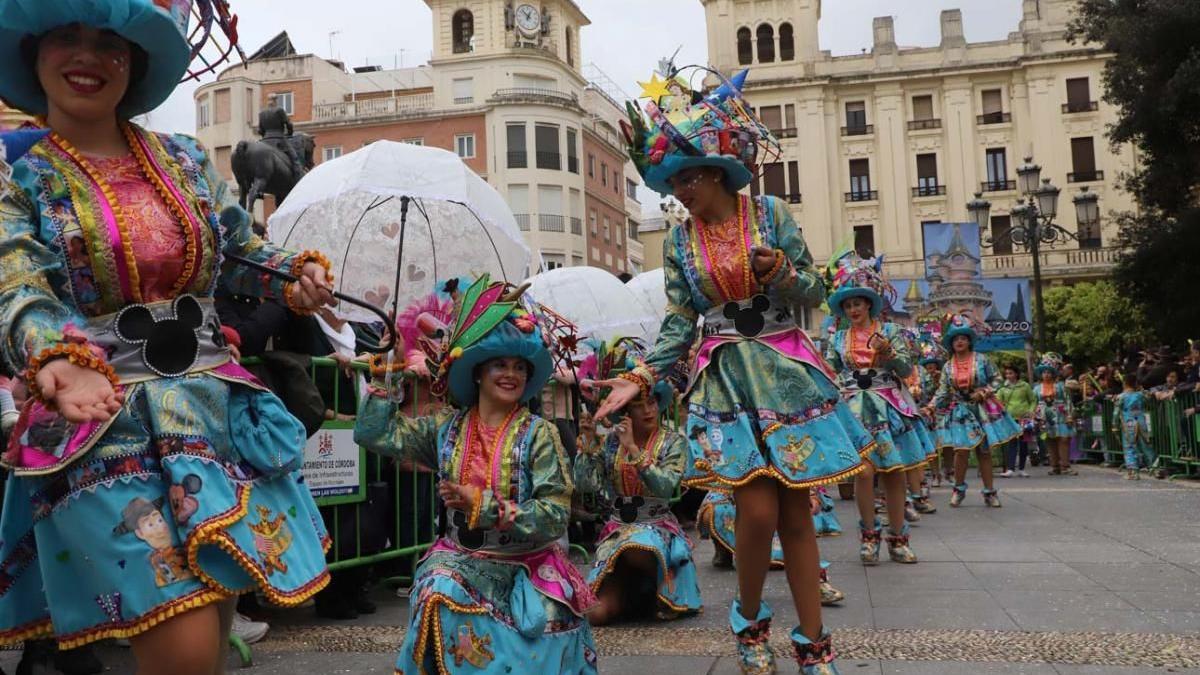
pixel 485 617
pixel 968 426
pixel 192 494
pixel 901 442
pixel 753 412
pixel 675 586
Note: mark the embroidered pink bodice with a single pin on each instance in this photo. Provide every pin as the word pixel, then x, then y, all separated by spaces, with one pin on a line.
pixel 158 240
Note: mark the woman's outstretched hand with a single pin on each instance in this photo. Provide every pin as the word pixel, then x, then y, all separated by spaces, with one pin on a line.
pixel 80 394
pixel 620 394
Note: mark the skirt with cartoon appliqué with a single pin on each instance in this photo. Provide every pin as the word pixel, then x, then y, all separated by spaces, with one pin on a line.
pixel 901 442
pixel 167 512
pixel 754 412
pixel 970 425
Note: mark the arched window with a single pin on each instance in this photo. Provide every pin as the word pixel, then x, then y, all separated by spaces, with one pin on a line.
pixel 787 43
pixel 570 47
pixel 463 29
pixel 766 43
pixel 745 44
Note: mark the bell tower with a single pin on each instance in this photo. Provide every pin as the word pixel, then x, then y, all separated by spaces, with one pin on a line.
pixel 760 33
pixel 467 29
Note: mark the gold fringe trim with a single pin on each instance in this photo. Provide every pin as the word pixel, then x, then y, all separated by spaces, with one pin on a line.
pixel 662 599
pixel 195 600
pixel 213 533
pixel 431 621
pixel 42 628
pixel 718 483
pixel 903 467
pixel 978 446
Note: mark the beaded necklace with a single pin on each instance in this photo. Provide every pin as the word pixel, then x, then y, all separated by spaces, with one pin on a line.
pixel 857 355
pixel 964 371
pixel 718 244
pixel 494 454
pixel 627 474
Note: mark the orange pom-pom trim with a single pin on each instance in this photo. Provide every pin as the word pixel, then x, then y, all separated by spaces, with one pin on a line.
pixel 77 354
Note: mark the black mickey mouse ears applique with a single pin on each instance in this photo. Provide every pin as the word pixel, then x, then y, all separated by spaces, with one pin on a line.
pixel 169 345
pixel 748 321
pixel 627 509
pixel 471 539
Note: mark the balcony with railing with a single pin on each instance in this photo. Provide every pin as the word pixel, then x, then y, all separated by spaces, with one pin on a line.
pixel 549 160
pixel 1085 176
pixel 921 125
pixel 997 185
pixel 1087 260
pixel 576 225
pixel 862 196
pixel 369 108
pixel 518 159
pixel 572 164
pixel 535 95
pixel 522 221
pixel 1073 107
pixel 786 132
pixel 549 222
pixel 930 190
pixel 993 118
pixel 859 130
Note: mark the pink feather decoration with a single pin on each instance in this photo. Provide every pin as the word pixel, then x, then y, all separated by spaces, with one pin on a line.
pixel 407 323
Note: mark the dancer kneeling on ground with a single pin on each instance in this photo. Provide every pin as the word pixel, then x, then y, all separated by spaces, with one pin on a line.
pixel 760 390
pixel 969 415
pixel 644 559
pixel 496 588
pixel 872 358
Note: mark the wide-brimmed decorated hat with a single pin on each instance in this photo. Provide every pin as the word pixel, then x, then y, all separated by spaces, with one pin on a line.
pixel 1049 363
pixel 489 323
pixel 677 128
pixel 930 351
pixel 853 277
pixel 160 27
pixel 955 325
pixel 620 355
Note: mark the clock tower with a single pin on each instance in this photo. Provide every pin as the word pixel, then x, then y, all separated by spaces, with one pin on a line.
pixel 464 29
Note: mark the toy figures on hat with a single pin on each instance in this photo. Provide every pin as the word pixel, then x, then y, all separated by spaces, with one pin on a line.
pixel 853 277
pixel 676 129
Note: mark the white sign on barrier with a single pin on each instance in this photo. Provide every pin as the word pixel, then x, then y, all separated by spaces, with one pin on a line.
pixel 333 465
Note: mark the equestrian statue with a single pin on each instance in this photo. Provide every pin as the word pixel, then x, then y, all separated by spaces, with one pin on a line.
pixel 274 164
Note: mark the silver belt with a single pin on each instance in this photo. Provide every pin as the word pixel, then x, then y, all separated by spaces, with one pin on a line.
pixel 488 540
pixel 749 318
pixel 161 339
pixel 640 509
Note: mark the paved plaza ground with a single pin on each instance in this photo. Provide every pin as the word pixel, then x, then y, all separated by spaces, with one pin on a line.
pixel 1085 575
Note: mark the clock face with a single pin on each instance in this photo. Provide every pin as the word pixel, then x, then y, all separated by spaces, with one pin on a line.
pixel 528 18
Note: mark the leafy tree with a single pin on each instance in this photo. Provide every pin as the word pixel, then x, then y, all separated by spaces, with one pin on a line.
pixel 1090 322
pixel 1153 79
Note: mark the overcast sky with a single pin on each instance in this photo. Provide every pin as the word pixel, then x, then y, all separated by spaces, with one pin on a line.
pixel 625 40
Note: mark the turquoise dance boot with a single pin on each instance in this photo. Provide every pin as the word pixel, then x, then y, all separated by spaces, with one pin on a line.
pixel 868 550
pixel 754 650
pixel 814 658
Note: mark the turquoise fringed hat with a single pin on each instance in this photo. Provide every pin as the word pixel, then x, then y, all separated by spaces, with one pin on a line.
pixel 1050 362
pixel 853 277
pixel 955 325
pixel 157 26
pixel 930 352
pixel 677 128
pixel 621 355
pixel 489 323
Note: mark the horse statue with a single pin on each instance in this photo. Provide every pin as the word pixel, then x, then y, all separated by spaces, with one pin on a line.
pixel 260 168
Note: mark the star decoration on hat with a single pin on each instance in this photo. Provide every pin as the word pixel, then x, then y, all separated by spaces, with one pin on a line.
pixel 655 89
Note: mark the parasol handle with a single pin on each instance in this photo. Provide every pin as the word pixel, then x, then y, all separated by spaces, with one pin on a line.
pixel 390 332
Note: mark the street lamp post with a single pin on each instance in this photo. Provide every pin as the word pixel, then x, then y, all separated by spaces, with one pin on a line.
pixel 1033 225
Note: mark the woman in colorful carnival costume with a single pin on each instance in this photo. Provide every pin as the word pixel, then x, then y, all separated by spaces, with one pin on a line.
pixel 1133 427
pixel 153 478
pixel 932 357
pixel 717 518
pixel 1054 414
pixel 970 416
pixel 644 559
pixel 496 589
pixel 761 397
pixel 872 357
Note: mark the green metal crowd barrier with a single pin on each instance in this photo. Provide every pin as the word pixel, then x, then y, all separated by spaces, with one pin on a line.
pixel 1174 433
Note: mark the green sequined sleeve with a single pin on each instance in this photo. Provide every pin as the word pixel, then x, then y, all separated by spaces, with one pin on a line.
pixel 592 471
pixel 32 317
pixel 662 477
pixel 833 356
pixel 382 428
pixel 901 362
pixel 797 282
pixel 678 330
pixel 543 517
